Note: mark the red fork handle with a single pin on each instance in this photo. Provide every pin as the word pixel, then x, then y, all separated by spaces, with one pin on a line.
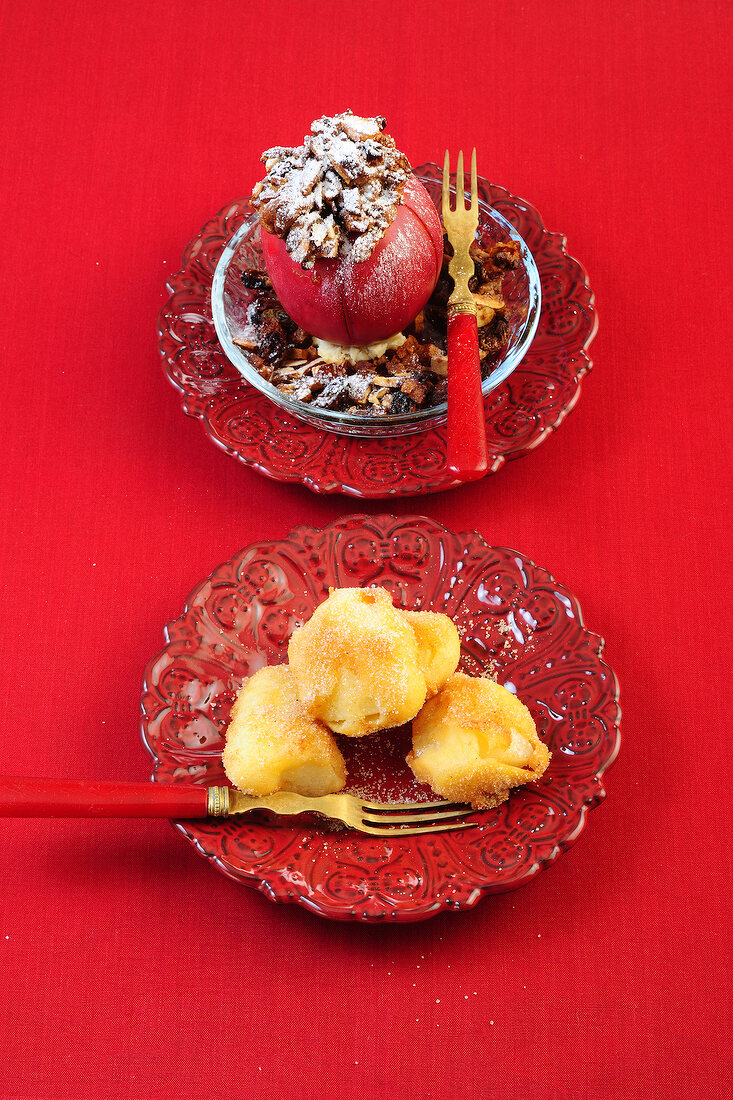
pixel 98 798
pixel 467 457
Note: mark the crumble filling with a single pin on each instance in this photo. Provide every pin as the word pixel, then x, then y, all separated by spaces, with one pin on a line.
pixel 403 376
pixel 337 193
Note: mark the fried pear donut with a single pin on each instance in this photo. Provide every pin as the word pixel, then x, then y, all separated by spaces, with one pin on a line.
pixel 474 741
pixel 356 663
pixel 438 646
pixel 273 745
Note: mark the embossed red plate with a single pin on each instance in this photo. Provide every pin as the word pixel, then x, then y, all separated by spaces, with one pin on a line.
pixel 520 413
pixel 516 622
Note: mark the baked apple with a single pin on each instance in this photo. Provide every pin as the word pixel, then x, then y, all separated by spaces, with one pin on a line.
pixel 351 239
pixel 360 303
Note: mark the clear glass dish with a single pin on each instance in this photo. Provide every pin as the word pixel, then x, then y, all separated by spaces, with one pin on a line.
pixel 521 414
pixel 522 294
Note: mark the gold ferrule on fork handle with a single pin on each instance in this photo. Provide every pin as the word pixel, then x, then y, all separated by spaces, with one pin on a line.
pixel 461 301
pixel 217 802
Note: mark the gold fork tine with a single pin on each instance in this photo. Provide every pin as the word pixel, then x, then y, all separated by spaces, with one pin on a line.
pixel 460 184
pixel 446 185
pixel 415 819
pixel 403 807
pixel 474 183
pixel 395 831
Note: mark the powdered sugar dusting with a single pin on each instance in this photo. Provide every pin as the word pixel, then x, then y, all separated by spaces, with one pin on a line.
pixel 387 281
pixel 336 194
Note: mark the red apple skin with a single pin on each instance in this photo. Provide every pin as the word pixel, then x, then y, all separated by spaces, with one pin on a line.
pixel 350 303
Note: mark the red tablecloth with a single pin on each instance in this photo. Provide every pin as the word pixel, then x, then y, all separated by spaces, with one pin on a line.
pixel 129 967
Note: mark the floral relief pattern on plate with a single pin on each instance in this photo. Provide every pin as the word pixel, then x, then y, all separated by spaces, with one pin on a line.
pixel 516 623
pixel 520 413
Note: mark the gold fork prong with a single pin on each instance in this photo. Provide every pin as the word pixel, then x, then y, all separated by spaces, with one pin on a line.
pixel 415 819
pixel 446 184
pixel 403 807
pixel 460 184
pixel 474 183
pixel 395 831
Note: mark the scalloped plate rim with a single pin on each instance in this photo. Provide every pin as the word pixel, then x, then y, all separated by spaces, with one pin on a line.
pixel 333 487
pixel 442 903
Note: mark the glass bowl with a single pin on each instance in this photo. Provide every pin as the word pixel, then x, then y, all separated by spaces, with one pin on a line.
pixel 521 414
pixel 521 290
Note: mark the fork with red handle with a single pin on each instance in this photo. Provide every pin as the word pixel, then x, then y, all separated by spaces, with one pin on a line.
pixel 23 797
pixel 467 456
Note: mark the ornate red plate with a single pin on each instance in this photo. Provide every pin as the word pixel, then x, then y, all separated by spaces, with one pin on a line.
pixel 516 623
pixel 520 413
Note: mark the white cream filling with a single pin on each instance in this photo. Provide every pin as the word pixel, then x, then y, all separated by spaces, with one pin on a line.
pixel 353 353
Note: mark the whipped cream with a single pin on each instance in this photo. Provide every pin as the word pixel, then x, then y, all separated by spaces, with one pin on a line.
pixel 356 353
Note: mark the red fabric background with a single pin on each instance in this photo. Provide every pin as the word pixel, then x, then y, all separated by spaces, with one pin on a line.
pixel 128 967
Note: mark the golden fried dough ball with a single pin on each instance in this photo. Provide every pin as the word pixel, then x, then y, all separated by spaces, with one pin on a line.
pixel 273 745
pixel 438 646
pixel 356 663
pixel 474 741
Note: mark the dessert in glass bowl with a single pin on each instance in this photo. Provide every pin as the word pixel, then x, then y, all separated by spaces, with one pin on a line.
pixel 332 298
